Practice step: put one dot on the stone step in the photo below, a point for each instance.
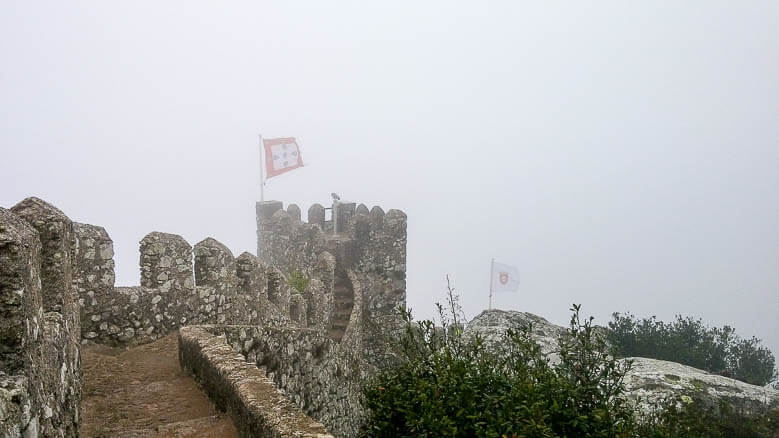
(343, 315)
(344, 304)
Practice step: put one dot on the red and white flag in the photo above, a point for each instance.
(281, 155)
(504, 277)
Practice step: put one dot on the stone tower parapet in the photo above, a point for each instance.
(354, 298)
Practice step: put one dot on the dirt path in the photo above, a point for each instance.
(142, 392)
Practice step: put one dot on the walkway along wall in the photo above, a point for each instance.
(311, 312)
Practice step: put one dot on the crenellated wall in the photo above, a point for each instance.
(40, 370)
(316, 305)
(356, 271)
(216, 289)
(318, 374)
(354, 297)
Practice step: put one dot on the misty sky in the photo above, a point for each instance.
(624, 156)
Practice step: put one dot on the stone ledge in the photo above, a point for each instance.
(257, 407)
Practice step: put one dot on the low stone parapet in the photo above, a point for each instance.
(257, 407)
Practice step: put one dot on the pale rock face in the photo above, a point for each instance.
(491, 325)
(652, 380)
(649, 381)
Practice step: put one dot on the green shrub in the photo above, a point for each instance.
(444, 384)
(690, 342)
(688, 417)
(448, 386)
(298, 281)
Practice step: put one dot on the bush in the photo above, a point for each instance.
(448, 386)
(692, 418)
(298, 281)
(690, 342)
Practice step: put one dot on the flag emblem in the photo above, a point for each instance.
(281, 155)
(504, 277)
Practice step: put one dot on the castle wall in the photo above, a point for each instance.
(316, 373)
(357, 281)
(40, 386)
(93, 274)
(180, 285)
(257, 407)
(370, 268)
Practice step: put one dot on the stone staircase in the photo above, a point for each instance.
(342, 309)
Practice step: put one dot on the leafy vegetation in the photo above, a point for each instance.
(298, 281)
(448, 386)
(692, 418)
(445, 384)
(690, 342)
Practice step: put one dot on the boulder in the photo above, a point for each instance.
(649, 380)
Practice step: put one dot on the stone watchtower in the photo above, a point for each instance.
(354, 266)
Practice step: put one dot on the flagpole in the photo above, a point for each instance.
(262, 175)
(492, 268)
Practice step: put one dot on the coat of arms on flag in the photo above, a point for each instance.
(504, 277)
(281, 155)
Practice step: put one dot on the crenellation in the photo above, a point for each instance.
(377, 217)
(93, 273)
(306, 278)
(344, 211)
(166, 262)
(294, 212)
(361, 209)
(40, 325)
(252, 280)
(316, 215)
(20, 291)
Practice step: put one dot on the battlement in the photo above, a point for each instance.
(359, 293)
(319, 299)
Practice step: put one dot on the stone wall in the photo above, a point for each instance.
(316, 373)
(315, 339)
(357, 275)
(257, 407)
(93, 274)
(40, 378)
(174, 291)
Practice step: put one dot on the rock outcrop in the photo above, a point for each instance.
(649, 380)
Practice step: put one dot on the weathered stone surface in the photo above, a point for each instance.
(20, 291)
(215, 268)
(362, 209)
(56, 235)
(21, 321)
(491, 325)
(298, 312)
(648, 382)
(257, 407)
(652, 380)
(59, 382)
(294, 212)
(166, 263)
(320, 375)
(316, 215)
(40, 379)
(93, 274)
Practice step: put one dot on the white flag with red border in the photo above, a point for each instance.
(504, 277)
(281, 155)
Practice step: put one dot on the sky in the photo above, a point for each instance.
(622, 155)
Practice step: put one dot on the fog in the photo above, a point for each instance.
(623, 156)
